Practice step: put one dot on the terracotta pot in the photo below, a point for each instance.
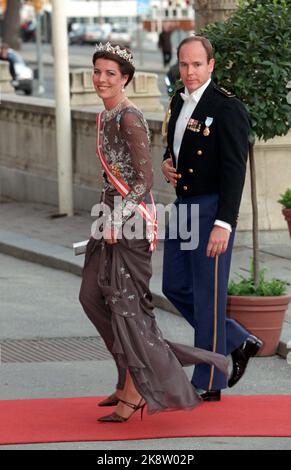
(287, 214)
(261, 316)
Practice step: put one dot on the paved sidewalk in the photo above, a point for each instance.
(30, 231)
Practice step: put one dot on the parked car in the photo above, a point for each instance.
(85, 34)
(76, 31)
(22, 74)
(120, 35)
(28, 30)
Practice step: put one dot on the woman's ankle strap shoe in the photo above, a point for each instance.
(116, 418)
(112, 400)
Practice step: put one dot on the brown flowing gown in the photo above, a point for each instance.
(115, 291)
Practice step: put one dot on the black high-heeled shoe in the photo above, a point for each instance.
(112, 400)
(116, 418)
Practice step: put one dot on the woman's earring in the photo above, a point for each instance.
(122, 89)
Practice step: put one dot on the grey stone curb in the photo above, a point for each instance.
(57, 257)
(39, 252)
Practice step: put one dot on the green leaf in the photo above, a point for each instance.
(253, 57)
(246, 285)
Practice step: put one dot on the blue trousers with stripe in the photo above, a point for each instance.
(197, 286)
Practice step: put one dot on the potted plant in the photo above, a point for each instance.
(285, 200)
(250, 64)
(261, 309)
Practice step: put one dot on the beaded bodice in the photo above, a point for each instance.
(125, 144)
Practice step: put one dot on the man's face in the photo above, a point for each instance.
(194, 67)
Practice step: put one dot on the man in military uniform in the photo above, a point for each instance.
(205, 160)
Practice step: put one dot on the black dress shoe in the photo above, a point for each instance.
(241, 356)
(211, 395)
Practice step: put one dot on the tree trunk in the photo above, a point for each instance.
(211, 11)
(11, 25)
(255, 215)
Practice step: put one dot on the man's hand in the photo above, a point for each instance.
(110, 235)
(170, 172)
(218, 241)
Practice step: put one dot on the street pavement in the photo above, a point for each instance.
(81, 56)
(40, 280)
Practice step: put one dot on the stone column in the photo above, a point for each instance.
(211, 11)
(5, 78)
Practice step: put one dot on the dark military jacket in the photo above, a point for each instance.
(212, 160)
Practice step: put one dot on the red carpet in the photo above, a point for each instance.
(74, 419)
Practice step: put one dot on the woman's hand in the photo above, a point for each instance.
(110, 235)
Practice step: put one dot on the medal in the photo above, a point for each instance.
(194, 125)
(115, 170)
(208, 122)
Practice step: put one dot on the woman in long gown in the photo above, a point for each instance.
(115, 291)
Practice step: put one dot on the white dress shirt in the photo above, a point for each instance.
(190, 103)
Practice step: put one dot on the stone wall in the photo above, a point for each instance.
(5, 78)
(28, 162)
(143, 90)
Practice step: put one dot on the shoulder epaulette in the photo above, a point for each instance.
(166, 118)
(224, 92)
(176, 88)
(179, 88)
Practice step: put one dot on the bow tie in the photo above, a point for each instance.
(187, 98)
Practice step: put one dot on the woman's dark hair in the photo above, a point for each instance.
(125, 67)
(205, 43)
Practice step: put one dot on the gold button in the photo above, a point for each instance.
(190, 170)
(199, 152)
(185, 188)
(179, 175)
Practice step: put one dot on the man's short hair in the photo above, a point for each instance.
(205, 43)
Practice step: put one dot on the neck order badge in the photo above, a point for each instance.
(208, 122)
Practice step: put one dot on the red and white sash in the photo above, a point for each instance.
(124, 189)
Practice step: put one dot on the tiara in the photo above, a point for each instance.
(115, 50)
